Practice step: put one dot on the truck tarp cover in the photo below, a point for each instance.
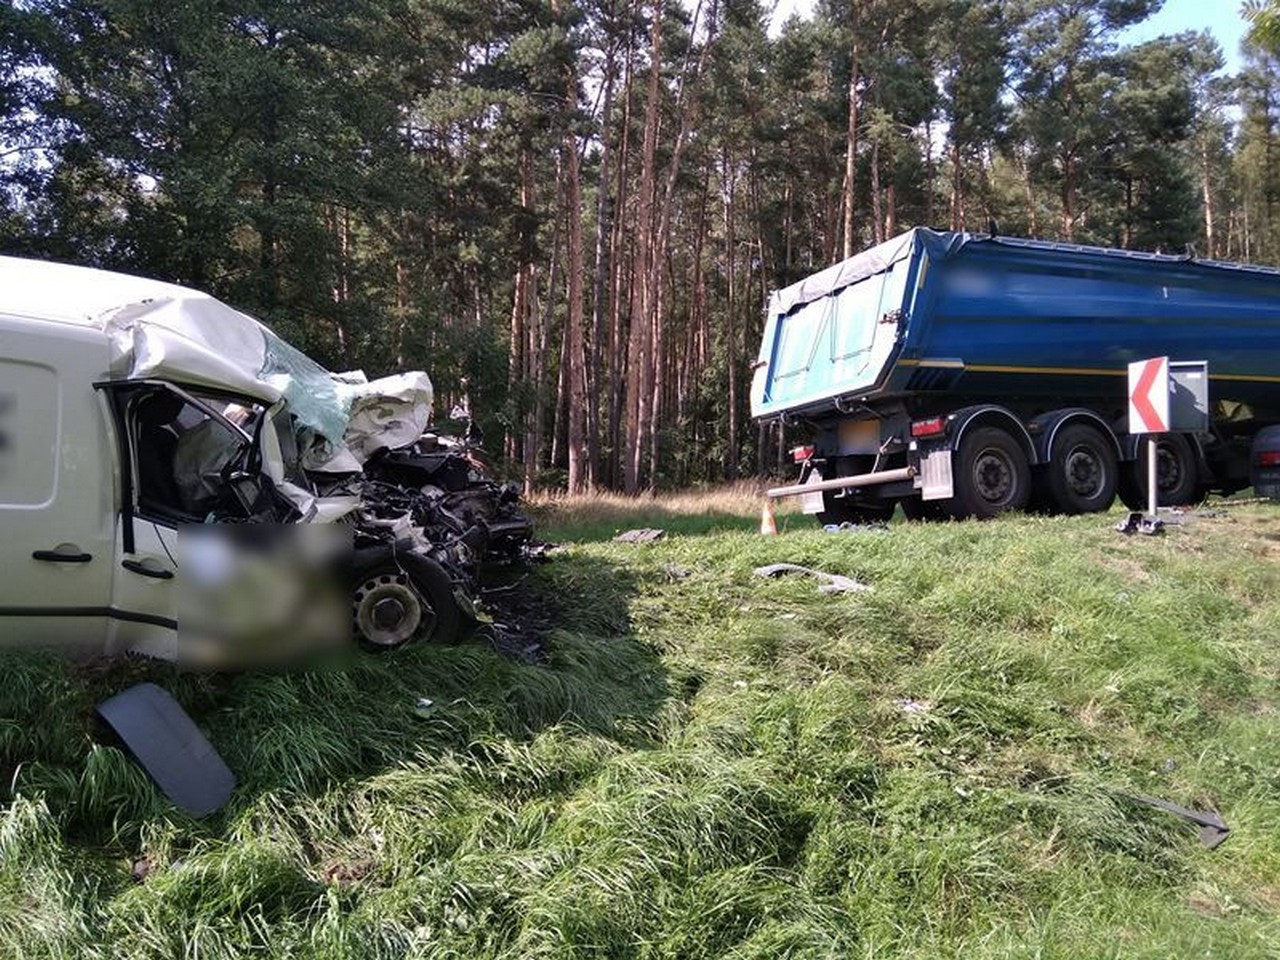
(843, 274)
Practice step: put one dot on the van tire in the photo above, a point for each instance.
(990, 475)
(405, 600)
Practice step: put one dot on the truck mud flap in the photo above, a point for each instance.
(936, 482)
(169, 746)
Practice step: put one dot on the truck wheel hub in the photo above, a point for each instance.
(1084, 472)
(992, 476)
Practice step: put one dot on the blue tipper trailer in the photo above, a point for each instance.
(968, 374)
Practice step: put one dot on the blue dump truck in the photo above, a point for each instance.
(965, 375)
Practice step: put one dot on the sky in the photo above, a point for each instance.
(1221, 17)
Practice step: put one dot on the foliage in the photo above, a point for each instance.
(570, 212)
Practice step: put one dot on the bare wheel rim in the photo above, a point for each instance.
(993, 476)
(1085, 473)
(388, 610)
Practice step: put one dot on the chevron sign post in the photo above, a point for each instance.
(1149, 412)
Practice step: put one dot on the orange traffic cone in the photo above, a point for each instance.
(768, 526)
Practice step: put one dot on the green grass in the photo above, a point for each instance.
(710, 764)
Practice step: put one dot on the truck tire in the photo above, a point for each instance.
(409, 600)
(990, 474)
(1176, 474)
(924, 511)
(838, 510)
(1082, 473)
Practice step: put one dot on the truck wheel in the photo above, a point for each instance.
(1176, 474)
(1082, 472)
(913, 508)
(991, 475)
(412, 601)
(837, 510)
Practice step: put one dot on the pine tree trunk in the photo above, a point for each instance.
(877, 221)
(519, 315)
(1031, 197)
(957, 189)
(1126, 241)
(731, 309)
(1206, 190)
(640, 360)
(890, 210)
(575, 376)
(620, 264)
(929, 179)
(1069, 197)
(539, 337)
(851, 154)
(601, 288)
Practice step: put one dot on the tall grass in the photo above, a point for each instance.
(708, 764)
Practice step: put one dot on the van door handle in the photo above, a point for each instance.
(62, 555)
(134, 566)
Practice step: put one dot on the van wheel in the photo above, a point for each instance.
(1176, 474)
(1082, 474)
(991, 475)
(412, 601)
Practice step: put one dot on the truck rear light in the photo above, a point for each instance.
(929, 428)
(1269, 458)
(801, 454)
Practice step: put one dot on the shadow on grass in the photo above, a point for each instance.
(302, 732)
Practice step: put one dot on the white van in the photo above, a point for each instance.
(131, 410)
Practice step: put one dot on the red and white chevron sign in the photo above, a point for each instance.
(1149, 395)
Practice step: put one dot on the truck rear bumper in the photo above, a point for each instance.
(842, 483)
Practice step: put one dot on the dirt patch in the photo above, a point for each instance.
(1205, 905)
(342, 873)
(1127, 567)
(1266, 898)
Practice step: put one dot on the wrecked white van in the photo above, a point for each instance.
(158, 446)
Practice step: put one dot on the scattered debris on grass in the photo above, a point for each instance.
(847, 527)
(909, 705)
(170, 747)
(833, 582)
(1140, 523)
(642, 535)
(519, 619)
(1212, 830)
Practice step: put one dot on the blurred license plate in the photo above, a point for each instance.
(812, 502)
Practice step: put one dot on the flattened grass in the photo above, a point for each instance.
(710, 764)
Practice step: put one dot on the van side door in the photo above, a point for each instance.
(56, 487)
